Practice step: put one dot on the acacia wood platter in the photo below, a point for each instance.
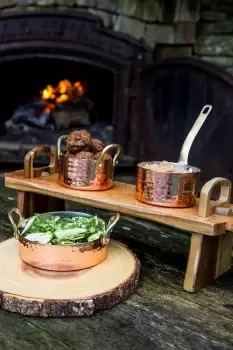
(122, 198)
(34, 292)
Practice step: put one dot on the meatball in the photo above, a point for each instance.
(79, 140)
(96, 145)
(85, 155)
(97, 155)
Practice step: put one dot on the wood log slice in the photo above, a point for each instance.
(35, 292)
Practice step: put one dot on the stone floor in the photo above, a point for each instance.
(160, 315)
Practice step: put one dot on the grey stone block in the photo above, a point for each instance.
(108, 5)
(141, 9)
(183, 33)
(189, 10)
(66, 3)
(179, 11)
(130, 26)
(167, 11)
(159, 34)
(150, 10)
(130, 8)
(213, 16)
(220, 27)
(220, 45)
(86, 3)
(166, 51)
(45, 3)
(106, 18)
(7, 3)
(218, 5)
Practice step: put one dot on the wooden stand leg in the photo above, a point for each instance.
(209, 257)
(30, 203)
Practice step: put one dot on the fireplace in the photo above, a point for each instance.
(43, 50)
(50, 97)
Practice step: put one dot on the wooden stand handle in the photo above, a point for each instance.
(222, 205)
(31, 172)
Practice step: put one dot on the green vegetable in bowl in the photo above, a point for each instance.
(63, 230)
(40, 237)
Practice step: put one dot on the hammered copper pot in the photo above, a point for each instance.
(176, 190)
(87, 174)
(62, 257)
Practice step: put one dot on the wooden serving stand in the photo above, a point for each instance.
(211, 222)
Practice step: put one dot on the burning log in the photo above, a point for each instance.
(69, 107)
(72, 114)
(61, 107)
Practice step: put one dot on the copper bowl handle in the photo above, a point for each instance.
(111, 223)
(14, 224)
(59, 142)
(108, 148)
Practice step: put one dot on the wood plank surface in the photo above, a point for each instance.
(122, 198)
(17, 333)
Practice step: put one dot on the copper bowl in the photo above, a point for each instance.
(62, 257)
(87, 174)
(165, 189)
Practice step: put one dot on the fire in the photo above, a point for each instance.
(64, 91)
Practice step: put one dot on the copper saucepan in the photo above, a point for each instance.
(87, 174)
(172, 189)
(62, 257)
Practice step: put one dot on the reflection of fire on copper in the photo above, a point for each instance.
(65, 91)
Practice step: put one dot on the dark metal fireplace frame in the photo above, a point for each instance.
(80, 37)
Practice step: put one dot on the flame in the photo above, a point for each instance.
(64, 91)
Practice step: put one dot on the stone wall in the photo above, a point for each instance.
(214, 40)
(159, 22)
(203, 28)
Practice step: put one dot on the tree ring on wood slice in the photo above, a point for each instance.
(34, 292)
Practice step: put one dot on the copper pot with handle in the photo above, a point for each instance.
(61, 257)
(177, 189)
(87, 174)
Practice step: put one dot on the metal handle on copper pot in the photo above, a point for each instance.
(111, 223)
(59, 142)
(184, 153)
(108, 148)
(14, 224)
